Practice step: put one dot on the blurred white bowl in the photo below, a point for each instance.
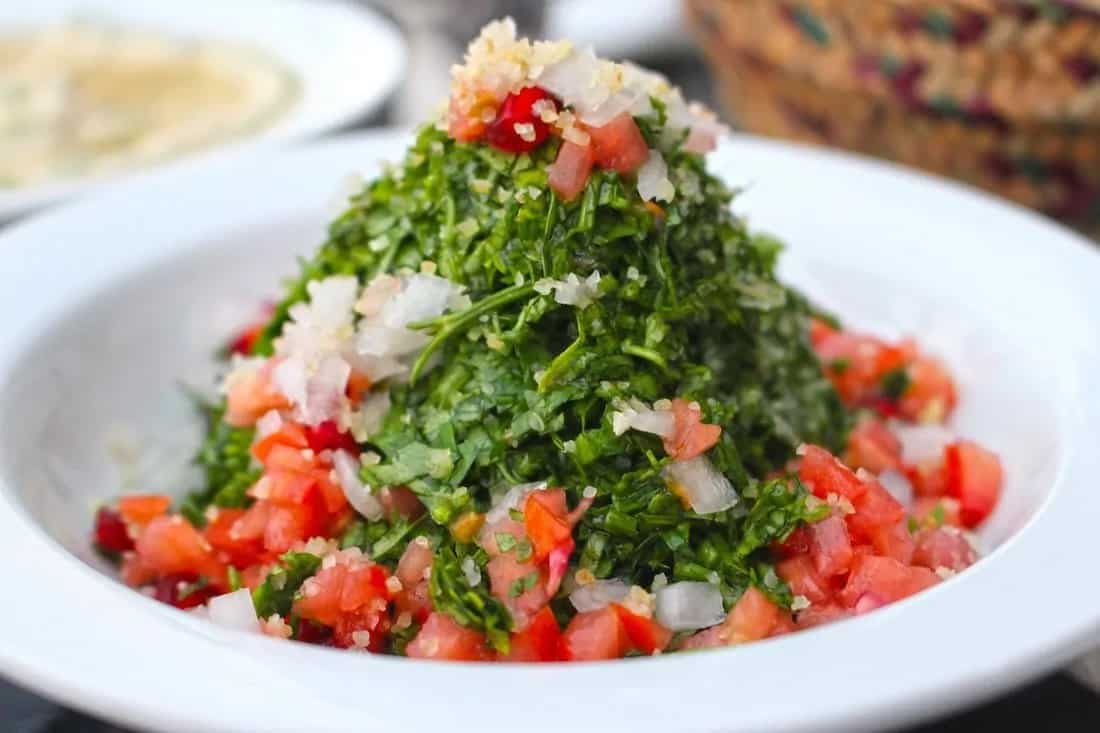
(347, 60)
(1007, 298)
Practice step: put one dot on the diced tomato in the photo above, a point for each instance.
(974, 477)
(752, 618)
(544, 521)
(557, 563)
(595, 635)
(931, 395)
(802, 577)
(110, 531)
(830, 547)
(872, 446)
(244, 341)
(285, 487)
(710, 638)
(797, 543)
(311, 633)
(785, 625)
(856, 363)
(690, 435)
(143, 509)
(170, 545)
(414, 598)
(238, 551)
(373, 621)
(289, 434)
(645, 634)
(875, 509)
(504, 572)
(343, 589)
(518, 109)
(885, 578)
(251, 524)
(253, 575)
(823, 474)
(469, 124)
(253, 396)
(569, 172)
(932, 511)
(134, 571)
(183, 590)
(415, 561)
(285, 458)
(331, 493)
(328, 436)
(928, 478)
(943, 548)
(289, 524)
(399, 501)
(817, 615)
(359, 385)
(441, 637)
(507, 526)
(894, 541)
(820, 331)
(619, 145)
(540, 641)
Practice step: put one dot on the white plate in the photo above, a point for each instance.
(101, 335)
(346, 58)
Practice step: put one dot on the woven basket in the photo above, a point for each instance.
(1000, 94)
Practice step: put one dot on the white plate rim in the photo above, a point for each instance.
(316, 113)
(838, 692)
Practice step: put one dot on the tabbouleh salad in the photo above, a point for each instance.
(540, 397)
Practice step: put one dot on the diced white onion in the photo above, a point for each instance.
(511, 500)
(289, 377)
(898, 485)
(326, 390)
(471, 571)
(234, 610)
(653, 180)
(596, 595)
(358, 494)
(689, 605)
(269, 423)
(706, 489)
(922, 442)
(423, 297)
(637, 415)
(376, 293)
(572, 290)
(379, 340)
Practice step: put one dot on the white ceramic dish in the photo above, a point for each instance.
(346, 59)
(100, 337)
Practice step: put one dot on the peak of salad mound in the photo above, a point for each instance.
(539, 374)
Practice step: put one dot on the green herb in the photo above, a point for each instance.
(895, 382)
(470, 606)
(226, 461)
(937, 515)
(505, 541)
(235, 582)
(276, 593)
(522, 585)
(190, 589)
(839, 365)
(689, 306)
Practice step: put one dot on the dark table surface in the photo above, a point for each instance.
(1055, 703)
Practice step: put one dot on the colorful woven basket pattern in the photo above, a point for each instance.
(1005, 95)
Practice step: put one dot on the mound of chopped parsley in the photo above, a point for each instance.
(522, 387)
